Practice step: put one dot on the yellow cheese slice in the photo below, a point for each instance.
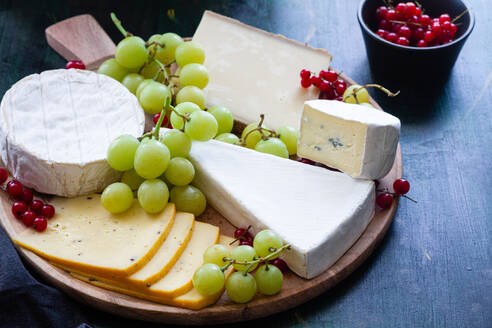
(86, 237)
(161, 263)
(191, 300)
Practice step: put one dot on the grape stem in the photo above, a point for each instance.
(370, 85)
(250, 264)
(261, 130)
(385, 190)
(167, 104)
(119, 26)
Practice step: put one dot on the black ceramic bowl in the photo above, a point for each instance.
(402, 62)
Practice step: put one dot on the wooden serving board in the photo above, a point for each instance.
(295, 290)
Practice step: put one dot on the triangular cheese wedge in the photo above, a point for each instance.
(86, 237)
(190, 300)
(320, 213)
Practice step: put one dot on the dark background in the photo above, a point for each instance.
(433, 269)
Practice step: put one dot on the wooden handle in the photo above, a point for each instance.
(81, 38)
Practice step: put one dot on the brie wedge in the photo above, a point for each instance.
(254, 72)
(320, 213)
(358, 140)
(55, 129)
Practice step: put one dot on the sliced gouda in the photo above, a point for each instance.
(190, 300)
(86, 237)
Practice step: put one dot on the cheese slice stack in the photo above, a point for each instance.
(55, 129)
(319, 212)
(358, 140)
(254, 72)
(86, 237)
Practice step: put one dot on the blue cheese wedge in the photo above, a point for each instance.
(357, 140)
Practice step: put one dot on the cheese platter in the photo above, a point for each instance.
(143, 258)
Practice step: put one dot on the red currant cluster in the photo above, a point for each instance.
(246, 238)
(165, 121)
(400, 188)
(75, 64)
(328, 82)
(38, 213)
(406, 25)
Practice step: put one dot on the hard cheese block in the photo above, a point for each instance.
(55, 129)
(190, 300)
(254, 72)
(84, 236)
(319, 212)
(357, 140)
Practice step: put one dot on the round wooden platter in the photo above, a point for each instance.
(294, 292)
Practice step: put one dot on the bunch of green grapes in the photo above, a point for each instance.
(242, 285)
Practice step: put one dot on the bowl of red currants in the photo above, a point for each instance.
(405, 39)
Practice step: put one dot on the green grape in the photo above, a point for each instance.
(182, 108)
(288, 135)
(132, 81)
(189, 52)
(170, 41)
(131, 52)
(244, 253)
(153, 195)
(179, 144)
(215, 254)
(153, 96)
(132, 179)
(202, 126)
(117, 197)
(273, 146)
(269, 279)
(141, 86)
(192, 94)
(362, 95)
(208, 279)
(151, 159)
(150, 70)
(180, 171)
(264, 240)
(224, 118)
(194, 74)
(121, 152)
(188, 199)
(241, 288)
(367, 105)
(228, 137)
(111, 68)
(253, 137)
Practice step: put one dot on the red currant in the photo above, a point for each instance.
(444, 18)
(28, 218)
(418, 11)
(339, 98)
(40, 223)
(325, 86)
(401, 8)
(381, 12)
(418, 33)
(405, 32)
(382, 33)
(75, 64)
(421, 44)
(330, 76)
(402, 41)
(37, 206)
(242, 233)
(392, 37)
(429, 36)
(18, 208)
(280, 264)
(3, 175)
(14, 188)
(156, 118)
(385, 25)
(384, 200)
(305, 74)
(411, 9)
(26, 196)
(48, 211)
(306, 83)
(391, 15)
(401, 186)
(247, 242)
(396, 28)
(340, 87)
(436, 29)
(452, 30)
(316, 80)
(425, 20)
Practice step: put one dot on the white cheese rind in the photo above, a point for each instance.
(56, 126)
(382, 132)
(319, 212)
(254, 72)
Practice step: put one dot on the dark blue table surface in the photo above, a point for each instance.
(434, 267)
